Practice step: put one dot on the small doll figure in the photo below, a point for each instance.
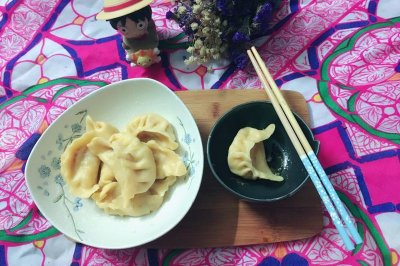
(132, 19)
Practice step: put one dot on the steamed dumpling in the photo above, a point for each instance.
(106, 175)
(161, 186)
(130, 160)
(102, 129)
(168, 163)
(109, 196)
(126, 173)
(246, 155)
(144, 203)
(153, 127)
(110, 199)
(79, 166)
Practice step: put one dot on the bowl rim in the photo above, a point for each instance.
(179, 217)
(241, 196)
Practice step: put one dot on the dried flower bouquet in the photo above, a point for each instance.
(222, 28)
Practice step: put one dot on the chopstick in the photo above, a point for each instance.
(306, 153)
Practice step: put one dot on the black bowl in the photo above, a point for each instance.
(281, 155)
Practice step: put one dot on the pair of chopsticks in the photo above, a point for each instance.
(307, 155)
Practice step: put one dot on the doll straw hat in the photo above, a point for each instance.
(118, 8)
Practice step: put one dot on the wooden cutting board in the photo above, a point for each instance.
(218, 218)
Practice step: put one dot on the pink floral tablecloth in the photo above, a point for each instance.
(342, 55)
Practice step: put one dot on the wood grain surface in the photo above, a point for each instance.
(218, 218)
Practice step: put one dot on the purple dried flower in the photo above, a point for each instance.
(185, 21)
(222, 6)
(188, 8)
(170, 15)
(241, 61)
(240, 37)
(264, 13)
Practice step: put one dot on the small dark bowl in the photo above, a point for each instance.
(280, 153)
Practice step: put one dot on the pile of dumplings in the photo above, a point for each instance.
(246, 154)
(126, 173)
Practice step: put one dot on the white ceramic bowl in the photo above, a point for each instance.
(81, 219)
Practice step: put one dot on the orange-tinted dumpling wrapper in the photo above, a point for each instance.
(79, 166)
(153, 127)
(246, 154)
(131, 161)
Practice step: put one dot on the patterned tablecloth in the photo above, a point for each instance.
(342, 55)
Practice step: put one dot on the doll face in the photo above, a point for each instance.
(133, 29)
